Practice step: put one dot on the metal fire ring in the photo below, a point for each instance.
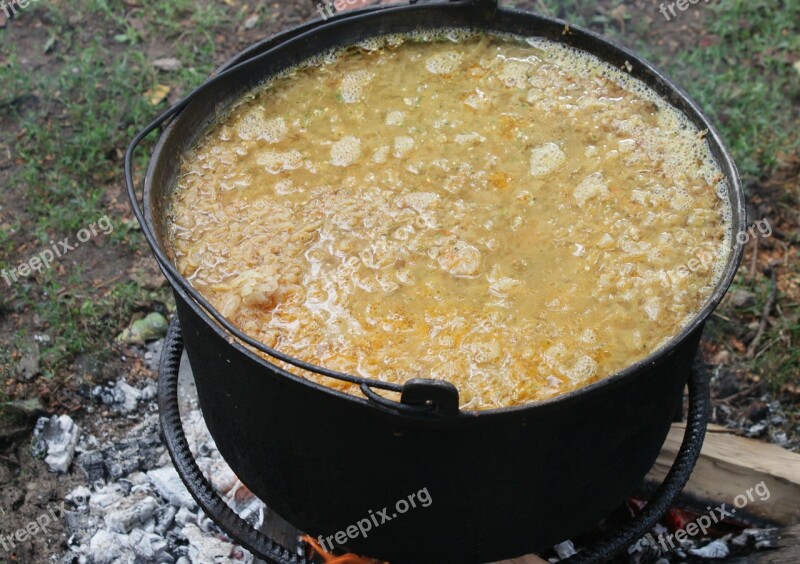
(270, 551)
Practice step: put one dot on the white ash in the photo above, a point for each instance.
(134, 507)
(770, 422)
(123, 397)
(565, 549)
(170, 487)
(714, 550)
(757, 539)
(651, 550)
(55, 439)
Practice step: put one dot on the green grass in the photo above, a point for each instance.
(775, 360)
(746, 79)
(102, 97)
(6, 371)
(71, 127)
(78, 320)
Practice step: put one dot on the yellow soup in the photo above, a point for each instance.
(511, 215)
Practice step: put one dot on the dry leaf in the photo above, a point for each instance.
(797, 66)
(737, 344)
(167, 64)
(156, 94)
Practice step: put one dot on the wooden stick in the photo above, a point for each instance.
(762, 326)
(754, 262)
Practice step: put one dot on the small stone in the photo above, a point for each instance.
(741, 298)
(18, 417)
(148, 393)
(90, 365)
(131, 396)
(168, 64)
(153, 355)
(251, 22)
(28, 366)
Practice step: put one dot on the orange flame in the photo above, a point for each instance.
(329, 558)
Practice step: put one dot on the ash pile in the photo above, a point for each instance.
(133, 506)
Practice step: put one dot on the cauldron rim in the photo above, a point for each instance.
(646, 72)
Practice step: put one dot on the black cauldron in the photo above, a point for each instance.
(501, 482)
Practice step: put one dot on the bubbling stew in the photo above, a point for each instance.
(508, 214)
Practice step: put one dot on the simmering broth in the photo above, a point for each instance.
(511, 215)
